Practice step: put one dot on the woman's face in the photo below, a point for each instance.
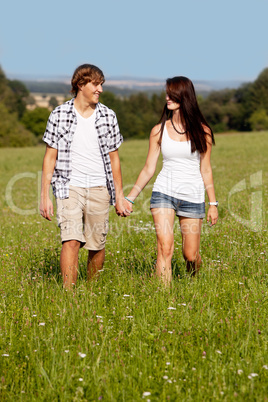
(171, 105)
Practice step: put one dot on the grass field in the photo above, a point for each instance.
(126, 337)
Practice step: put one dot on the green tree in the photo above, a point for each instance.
(259, 120)
(53, 103)
(13, 94)
(30, 100)
(157, 104)
(214, 115)
(20, 93)
(35, 121)
(13, 133)
(259, 92)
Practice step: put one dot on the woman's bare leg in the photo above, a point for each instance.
(191, 231)
(164, 221)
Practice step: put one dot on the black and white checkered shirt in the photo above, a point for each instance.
(59, 134)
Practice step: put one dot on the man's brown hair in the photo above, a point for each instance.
(84, 74)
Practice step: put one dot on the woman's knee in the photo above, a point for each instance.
(191, 255)
(166, 249)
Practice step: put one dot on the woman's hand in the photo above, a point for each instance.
(123, 207)
(129, 206)
(212, 215)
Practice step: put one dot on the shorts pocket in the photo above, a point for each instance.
(61, 218)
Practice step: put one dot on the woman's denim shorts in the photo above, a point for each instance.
(182, 208)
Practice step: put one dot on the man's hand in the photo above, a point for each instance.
(46, 206)
(46, 209)
(122, 207)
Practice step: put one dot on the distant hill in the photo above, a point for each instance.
(123, 86)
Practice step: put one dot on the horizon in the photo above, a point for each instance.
(130, 81)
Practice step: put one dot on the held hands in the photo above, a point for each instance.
(123, 207)
(212, 215)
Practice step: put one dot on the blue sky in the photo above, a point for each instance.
(204, 40)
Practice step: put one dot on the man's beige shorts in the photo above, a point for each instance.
(84, 216)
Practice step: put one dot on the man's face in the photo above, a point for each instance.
(91, 92)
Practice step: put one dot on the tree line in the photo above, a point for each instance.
(242, 109)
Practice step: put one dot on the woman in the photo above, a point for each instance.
(185, 139)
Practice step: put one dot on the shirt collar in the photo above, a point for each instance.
(70, 108)
(100, 109)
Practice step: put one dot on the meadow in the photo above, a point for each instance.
(125, 336)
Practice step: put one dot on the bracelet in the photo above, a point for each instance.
(216, 203)
(132, 202)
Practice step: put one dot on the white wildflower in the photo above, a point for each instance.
(146, 394)
(82, 355)
(42, 324)
(171, 308)
(239, 372)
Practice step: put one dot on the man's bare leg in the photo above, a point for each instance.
(69, 262)
(95, 262)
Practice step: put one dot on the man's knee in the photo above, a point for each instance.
(71, 245)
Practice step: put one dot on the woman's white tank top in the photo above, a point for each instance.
(180, 176)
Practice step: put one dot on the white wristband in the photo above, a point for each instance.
(216, 203)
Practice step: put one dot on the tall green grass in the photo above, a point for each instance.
(126, 337)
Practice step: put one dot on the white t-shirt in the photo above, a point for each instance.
(87, 163)
(180, 176)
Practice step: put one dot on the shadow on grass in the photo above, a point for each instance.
(146, 266)
(48, 263)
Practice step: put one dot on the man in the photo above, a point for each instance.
(82, 163)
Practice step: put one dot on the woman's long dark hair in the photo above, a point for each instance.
(181, 90)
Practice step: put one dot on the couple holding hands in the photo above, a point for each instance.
(82, 164)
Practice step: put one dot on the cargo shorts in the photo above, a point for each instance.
(84, 216)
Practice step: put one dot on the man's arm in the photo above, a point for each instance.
(46, 205)
(120, 206)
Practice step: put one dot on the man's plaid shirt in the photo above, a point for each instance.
(59, 134)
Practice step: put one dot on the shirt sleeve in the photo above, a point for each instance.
(50, 135)
(116, 138)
